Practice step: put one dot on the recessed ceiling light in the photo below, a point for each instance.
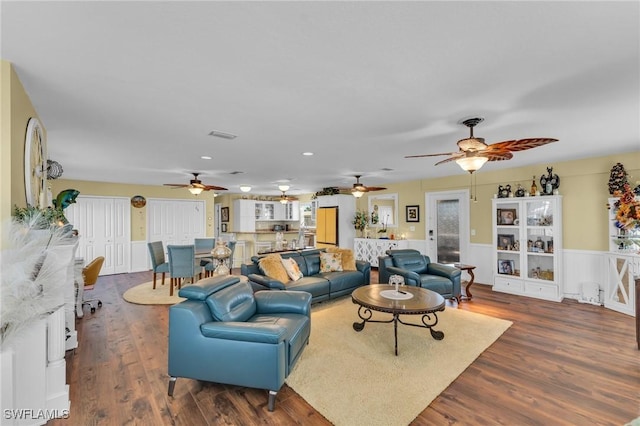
(206, 157)
(245, 188)
(308, 154)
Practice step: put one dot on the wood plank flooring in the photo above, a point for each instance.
(559, 364)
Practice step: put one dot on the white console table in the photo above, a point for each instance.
(368, 249)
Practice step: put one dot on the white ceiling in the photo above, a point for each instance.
(129, 91)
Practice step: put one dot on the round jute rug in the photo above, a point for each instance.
(144, 294)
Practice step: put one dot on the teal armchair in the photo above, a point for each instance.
(418, 270)
(225, 333)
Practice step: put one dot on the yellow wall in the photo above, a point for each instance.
(583, 185)
(15, 111)
(138, 215)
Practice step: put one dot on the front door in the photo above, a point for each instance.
(447, 226)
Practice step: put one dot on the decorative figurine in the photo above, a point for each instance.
(550, 182)
(504, 191)
(520, 191)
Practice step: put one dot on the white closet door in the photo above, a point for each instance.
(104, 225)
(175, 221)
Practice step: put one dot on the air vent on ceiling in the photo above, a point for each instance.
(223, 135)
(235, 173)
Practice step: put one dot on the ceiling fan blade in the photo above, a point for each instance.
(213, 187)
(447, 160)
(429, 155)
(496, 156)
(521, 144)
(375, 188)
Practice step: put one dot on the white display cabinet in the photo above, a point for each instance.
(623, 266)
(527, 241)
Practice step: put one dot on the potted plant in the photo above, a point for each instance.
(360, 220)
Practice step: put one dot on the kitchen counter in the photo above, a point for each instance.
(266, 231)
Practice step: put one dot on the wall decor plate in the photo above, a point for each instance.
(138, 201)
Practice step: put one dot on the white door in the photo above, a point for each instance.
(104, 225)
(447, 226)
(175, 221)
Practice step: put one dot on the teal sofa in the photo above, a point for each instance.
(321, 285)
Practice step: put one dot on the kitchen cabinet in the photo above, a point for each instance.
(244, 215)
(291, 211)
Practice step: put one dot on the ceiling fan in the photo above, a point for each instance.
(359, 188)
(284, 198)
(195, 185)
(474, 152)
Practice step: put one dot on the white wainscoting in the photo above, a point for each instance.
(582, 267)
(140, 257)
(579, 266)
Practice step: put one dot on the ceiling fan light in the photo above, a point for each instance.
(245, 188)
(471, 164)
(195, 190)
(357, 193)
(283, 200)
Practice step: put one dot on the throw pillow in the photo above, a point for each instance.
(292, 268)
(348, 260)
(330, 262)
(271, 266)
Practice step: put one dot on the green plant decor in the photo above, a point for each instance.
(360, 220)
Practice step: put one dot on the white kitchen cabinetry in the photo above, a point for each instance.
(244, 219)
(265, 210)
(527, 241)
(291, 210)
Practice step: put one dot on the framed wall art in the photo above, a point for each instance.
(413, 213)
(224, 214)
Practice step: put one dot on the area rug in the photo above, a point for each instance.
(354, 378)
(144, 294)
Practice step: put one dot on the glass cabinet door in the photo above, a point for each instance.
(539, 229)
(508, 239)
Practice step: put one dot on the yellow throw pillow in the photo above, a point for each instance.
(292, 268)
(348, 259)
(271, 266)
(330, 262)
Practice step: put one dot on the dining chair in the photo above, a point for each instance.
(182, 265)
(158, 262)
(205, 245)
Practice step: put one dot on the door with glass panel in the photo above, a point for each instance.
(447, 226)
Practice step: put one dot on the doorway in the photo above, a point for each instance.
(448, 226)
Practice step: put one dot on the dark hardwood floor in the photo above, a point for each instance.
(559, 364)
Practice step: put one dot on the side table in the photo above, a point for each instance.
(469, 269)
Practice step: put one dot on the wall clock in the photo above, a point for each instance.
(35, 165)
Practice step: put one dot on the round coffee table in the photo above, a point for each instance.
(412, 301)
